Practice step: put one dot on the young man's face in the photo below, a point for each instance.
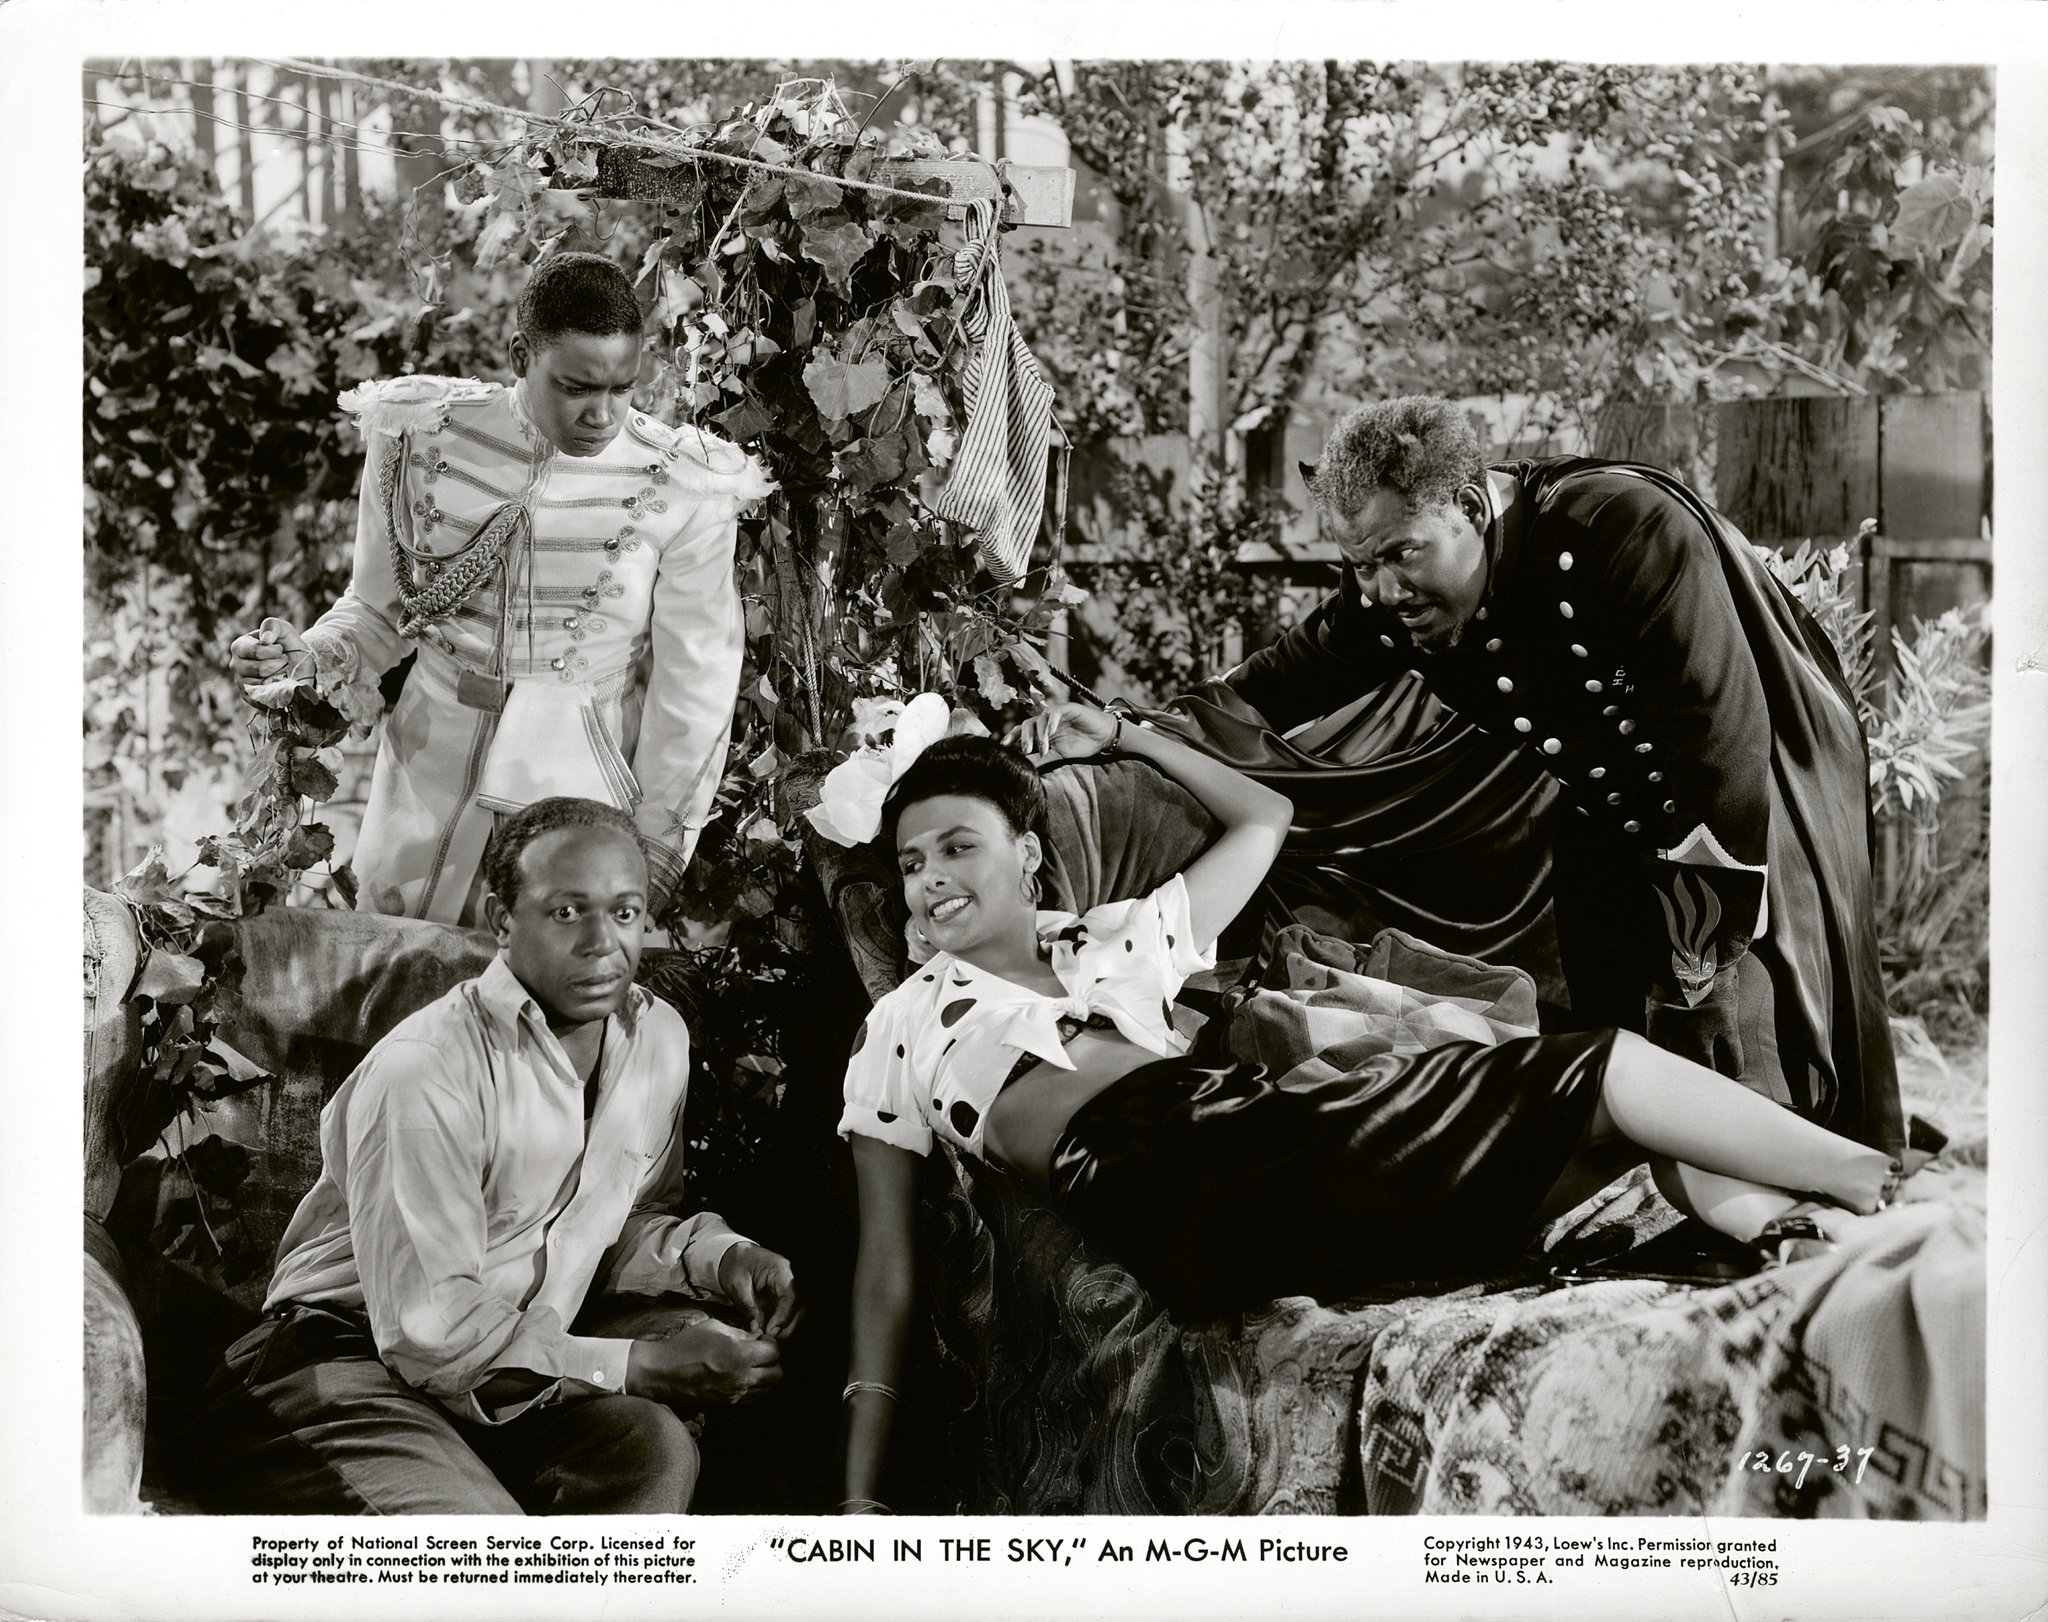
(580, 387)
(1426, 565)
(573, 936)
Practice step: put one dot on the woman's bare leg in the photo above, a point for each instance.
(1681, 1110)
(1733, 1205)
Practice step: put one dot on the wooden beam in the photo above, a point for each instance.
(1042, 195)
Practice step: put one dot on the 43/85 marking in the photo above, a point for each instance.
(1783, 1464)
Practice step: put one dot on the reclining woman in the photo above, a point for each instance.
(1044, 1043)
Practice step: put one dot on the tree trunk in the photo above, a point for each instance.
(201, 75)
(351, 174)
(245, 147)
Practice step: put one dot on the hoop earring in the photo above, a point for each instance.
(1031, 887)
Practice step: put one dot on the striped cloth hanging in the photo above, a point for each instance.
(996, 485)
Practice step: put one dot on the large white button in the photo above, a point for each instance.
(1386, 641)
(1564, 560)
(1565, 609)
(1551, 746)
(1614, 799)
(1522, 724)
(1656, 777)
(1505, 685)
(1493, 645)
(1644, 748)
(1480, 615)
(1594, 686)
(1631, 827)
(1612, 709)
(1578, 650)
(597, 1376)
(1597, 773)
(1670, 805)
(1627, 727)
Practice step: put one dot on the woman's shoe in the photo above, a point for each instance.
(1794, 1236)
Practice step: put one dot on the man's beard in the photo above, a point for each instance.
(1439, 641)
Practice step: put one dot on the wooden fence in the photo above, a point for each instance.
(1814, 469)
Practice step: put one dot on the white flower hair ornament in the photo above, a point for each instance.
(849, 808)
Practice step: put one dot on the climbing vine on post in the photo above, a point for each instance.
(805, 306)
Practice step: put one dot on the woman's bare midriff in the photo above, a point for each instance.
(1028, 1116)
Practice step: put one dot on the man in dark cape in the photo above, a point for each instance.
(1569, 688)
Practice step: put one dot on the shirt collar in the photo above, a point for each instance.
(505, 997)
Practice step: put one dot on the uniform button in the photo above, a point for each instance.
(1612, 709)
(1597, 773)
(1522, 723)
(558, 664)
(1614, 799)
(1493, 646)
(1578, 650)
(1480, 615)
(1551, 746)
(1386, 641)
(570, 623)
(1582, 811)
(1631, 827)
(1565, 609)
(1564, 560)
(1644, 748)
(1627, 727)
(1594, 686)
(1670, 805)
(1505, 685)
(597, 1375)
(1656, 777)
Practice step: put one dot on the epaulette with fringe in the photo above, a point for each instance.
(395, 405)
(703, 464)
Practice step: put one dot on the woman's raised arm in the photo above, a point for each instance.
(1255, 818)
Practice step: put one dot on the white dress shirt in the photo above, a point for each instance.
(463, 1205)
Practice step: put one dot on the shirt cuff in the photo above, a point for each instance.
(703, 1257)
(598, 1360)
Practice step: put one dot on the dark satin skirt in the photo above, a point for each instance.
(1221, 1191)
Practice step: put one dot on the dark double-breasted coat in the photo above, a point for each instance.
(1711, 770)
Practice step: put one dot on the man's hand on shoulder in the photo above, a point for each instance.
(703, 1362)
(764, 1284)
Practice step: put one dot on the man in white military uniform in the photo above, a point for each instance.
(563, 566)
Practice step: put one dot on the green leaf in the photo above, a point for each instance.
(810, 196)
(839, 390)
(310, 844)
(748, 420)
(311, 778)
(835, 247)
(171, 978)
(903, 543)
(344, 880)
(1932, 215)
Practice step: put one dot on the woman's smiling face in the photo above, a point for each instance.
(964, 874)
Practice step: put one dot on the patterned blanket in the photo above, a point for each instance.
(1849, 1385)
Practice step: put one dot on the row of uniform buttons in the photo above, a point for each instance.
(1594, 686)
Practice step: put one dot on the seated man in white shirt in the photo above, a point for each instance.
(499, 1156)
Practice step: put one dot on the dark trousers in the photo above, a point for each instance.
(303, 1418)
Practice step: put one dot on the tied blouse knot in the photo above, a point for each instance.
(933, 1054)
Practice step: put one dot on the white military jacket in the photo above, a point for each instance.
(576, 618)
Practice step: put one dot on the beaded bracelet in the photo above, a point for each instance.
(852, 1386)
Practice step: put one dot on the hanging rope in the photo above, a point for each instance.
(678, 147)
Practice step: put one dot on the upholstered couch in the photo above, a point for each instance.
(1050, 1382)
